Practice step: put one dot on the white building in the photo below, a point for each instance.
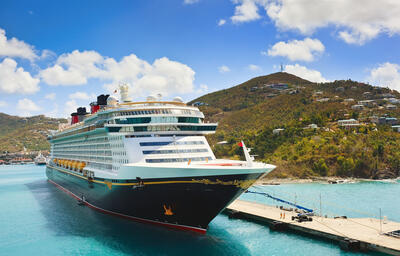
(278, 131)
(348, 123)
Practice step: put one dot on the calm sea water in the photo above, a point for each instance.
(38, 219)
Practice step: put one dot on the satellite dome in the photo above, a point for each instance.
(178, 99)
(112, 101)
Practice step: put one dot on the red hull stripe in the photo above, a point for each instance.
(181, 227)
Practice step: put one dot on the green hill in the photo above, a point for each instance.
(251, 110)
(30, 132)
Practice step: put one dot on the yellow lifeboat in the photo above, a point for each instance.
(74, 164)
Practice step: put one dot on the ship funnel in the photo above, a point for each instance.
(124, 91)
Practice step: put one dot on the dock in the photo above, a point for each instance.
(366, 233)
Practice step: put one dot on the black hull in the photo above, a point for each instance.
(186, 203)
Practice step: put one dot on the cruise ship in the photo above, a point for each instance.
(147, 161)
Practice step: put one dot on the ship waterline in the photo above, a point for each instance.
(147, 161)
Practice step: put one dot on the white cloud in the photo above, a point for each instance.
(305, 73)
(47, 54)
(203, 88)
(223, 69)
(16, 80)
(386, 75)
(190, 1)
(356, 21)
(79, 96)
(297, 50)
(162, 76)
(221, 22)
(3, 103)
(247, 10)
(27, 106)
(70, 107)
(263, 53)
(50, 96)
(253, 67)
(15, 48)
(73, 68)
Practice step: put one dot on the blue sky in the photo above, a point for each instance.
(57, 55)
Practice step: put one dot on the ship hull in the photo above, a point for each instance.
(189, 203)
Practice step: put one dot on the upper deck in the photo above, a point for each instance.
(142, 118)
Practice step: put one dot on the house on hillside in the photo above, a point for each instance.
(278, 86)
(357, 107)
(323, 100)
(386, 95)
(348, 100)
(396, 128)
(348, 123)
(367, 94)
(392, 100)
(367, 103)
(199, 103)
(339, 89)
(278, 130)
(383, 120)
(311, 126)
(390, 107)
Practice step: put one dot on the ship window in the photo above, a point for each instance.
(169, 160)
(164, 143)
(176, 151)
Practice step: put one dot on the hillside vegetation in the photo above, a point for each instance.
(252, 110)
(30, 132)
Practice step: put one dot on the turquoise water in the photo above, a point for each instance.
(38, 219)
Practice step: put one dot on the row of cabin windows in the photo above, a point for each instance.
(83, 146)
(174, 151)
(89, 140)
(165, 143)
(83, 152)
(156, 119)
(172, 160)
(162, 128)
(121, 161)
(100, 166)
(156, 112)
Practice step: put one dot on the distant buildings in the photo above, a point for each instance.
(348, 100)
(348, 123)
(339, 89)
(323, 100)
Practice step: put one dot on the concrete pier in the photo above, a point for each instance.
(365, 230)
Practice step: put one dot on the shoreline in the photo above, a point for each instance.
(322, 180)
